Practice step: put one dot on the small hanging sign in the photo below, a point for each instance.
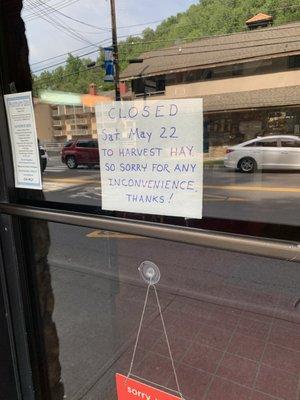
(109, 64)
(130, 389)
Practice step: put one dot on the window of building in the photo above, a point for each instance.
(207, 74)
(294, 61)
(237, 69)
(160, 84)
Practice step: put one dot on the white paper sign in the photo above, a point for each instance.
(23, 137)
(151, 156)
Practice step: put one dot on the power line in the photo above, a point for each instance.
(57, 23)
(141, 24)
(213, 51)
(61, 5)
(189, 46)
(105, 29)
(141, 42)
(69, 52)
(32, 14)
(54, 10)
(69, 2)
(170, 55)
(42, 3)
(30, 7)
(60, 63)
(66, 3)
(39, 82)
(223, 45)
(36, 15)
(104, 41)
(165, 41)
(73, 32)
(192, 39)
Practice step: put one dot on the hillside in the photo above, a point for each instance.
(206, 18)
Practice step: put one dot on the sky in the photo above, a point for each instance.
(50, 39)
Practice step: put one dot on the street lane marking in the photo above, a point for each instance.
(222, 187)
(216, 197)
(236, 199)
(111, 235)
(255, 188)
(56, 186)
(71, 180)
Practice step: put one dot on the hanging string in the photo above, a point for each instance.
(139, 331)
(167, 340)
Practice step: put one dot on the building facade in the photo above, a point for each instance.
(71, 122)
(57, 123)
(249, 81)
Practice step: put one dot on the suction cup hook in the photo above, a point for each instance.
(149, 272)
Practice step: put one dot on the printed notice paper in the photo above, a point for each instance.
(23, 137)
(151, 156)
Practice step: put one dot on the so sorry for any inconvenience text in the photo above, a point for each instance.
(155, 160)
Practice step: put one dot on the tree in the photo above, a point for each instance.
(206, 18)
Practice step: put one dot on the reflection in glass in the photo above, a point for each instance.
(232, 319)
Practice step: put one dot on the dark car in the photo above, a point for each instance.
(80, 152)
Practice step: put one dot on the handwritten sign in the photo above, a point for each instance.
(151, 156)
(130, 389)
(24, 143)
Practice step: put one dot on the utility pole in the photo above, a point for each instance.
(115, 47)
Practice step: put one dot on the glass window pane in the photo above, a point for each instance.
(267, 143)
(69, 144)
(231, 319)
(290, 143)
(248, 94)
(82, 144)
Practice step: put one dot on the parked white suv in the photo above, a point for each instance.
(269, 152)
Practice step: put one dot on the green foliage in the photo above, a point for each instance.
(74, 76)
(206, 18)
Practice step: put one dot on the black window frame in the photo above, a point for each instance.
(297, 142)
(69, 144)
(253, 144)
(294, 61)
(267, 141)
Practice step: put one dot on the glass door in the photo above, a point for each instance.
(149, 213)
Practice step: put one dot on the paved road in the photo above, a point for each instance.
(99, 297)
(262, 197)
(98, 292)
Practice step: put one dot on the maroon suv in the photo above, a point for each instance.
(80, 152)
